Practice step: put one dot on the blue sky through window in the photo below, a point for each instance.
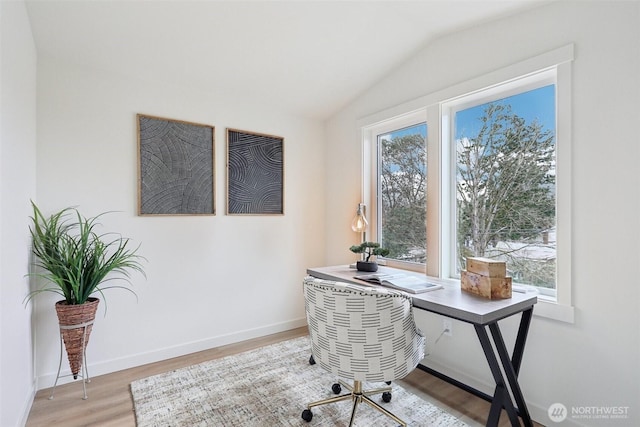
(535, 104)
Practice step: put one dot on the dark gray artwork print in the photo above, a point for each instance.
(255, 175)
(176, 167)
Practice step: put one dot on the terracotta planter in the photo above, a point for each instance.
(76, 339)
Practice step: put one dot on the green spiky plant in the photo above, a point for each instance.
(369, 249)
(76, 259)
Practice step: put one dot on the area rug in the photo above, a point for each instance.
(266, 387)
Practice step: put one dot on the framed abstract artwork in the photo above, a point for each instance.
(176, 167)
(255, 173)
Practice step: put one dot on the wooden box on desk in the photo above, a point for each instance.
(487, 267)
(485, 286)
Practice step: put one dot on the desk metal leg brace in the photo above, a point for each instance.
(497, 363)
(510, 366)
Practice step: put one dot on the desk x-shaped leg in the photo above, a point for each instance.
(511, 366)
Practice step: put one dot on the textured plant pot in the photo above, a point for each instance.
(76, 339)
(366, 266)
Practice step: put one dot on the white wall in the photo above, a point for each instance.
(210, 280)
(592, 362)
(86, 156)
(17, 186)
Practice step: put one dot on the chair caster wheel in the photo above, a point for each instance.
(386, 397)
(312, 361)
(307, 415)
(336, 388)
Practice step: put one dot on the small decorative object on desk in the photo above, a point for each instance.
(368, 249)
(487, 278)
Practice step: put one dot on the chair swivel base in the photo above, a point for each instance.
(357, 395)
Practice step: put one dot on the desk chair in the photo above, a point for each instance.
(361, 334)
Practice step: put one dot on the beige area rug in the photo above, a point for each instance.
(266, 387)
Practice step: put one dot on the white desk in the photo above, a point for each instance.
(483, 314)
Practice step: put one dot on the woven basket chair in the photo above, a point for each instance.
(361, 334)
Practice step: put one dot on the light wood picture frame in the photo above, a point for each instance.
(176, 167)
(255, 173)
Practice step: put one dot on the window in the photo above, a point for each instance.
(504, 154)
(401, 193)
(396, 187)
(490, 178)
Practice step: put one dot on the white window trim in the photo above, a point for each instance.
(559, 308)
(370, 144)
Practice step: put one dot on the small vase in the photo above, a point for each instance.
(368, 266)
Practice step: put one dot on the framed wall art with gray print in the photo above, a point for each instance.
(255, 173)
(176, 167)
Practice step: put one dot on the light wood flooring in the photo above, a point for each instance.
(110, 402)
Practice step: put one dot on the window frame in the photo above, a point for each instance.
(432, 109)
(372, 162)
(449, 109)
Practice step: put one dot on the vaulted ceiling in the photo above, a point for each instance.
(306, 57)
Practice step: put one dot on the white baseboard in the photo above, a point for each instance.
(114, 365)
(28, 403)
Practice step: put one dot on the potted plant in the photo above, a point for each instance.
(76, 262)
(368, 249)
